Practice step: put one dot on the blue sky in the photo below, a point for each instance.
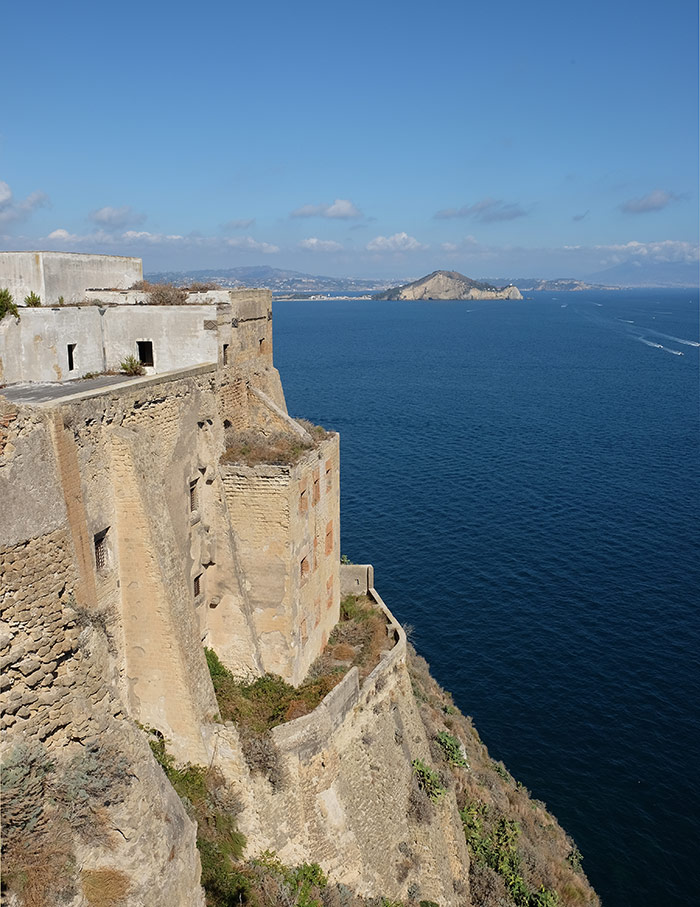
(367, 139)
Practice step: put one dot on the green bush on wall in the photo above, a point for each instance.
(7, 305)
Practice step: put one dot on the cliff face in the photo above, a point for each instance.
(449, 285)
(147, 521)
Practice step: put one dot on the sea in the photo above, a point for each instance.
(525, 478)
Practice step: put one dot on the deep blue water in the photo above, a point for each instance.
(525, 477)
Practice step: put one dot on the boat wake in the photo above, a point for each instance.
(660, 346)
(675, 339)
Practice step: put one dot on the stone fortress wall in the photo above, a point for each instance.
(126, 546)
(65, 342)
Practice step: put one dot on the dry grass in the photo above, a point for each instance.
(162, 293)
(253, 448)
(104, 887)
(280, 448)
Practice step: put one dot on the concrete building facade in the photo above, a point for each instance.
(52, 275)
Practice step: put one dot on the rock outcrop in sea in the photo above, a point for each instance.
(449, 285)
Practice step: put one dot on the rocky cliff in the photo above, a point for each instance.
(449, 285)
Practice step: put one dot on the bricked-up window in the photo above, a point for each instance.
(71, 356)
(197, 585)
(101, 549)
(316, 489)
(194, 496)
(303, 501)
(329, 537)
(329, 475)
(145, 349)
(304, 568)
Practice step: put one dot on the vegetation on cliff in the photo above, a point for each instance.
(256, 706)
(520, 855)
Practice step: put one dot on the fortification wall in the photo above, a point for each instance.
(54, 274)
(60, 689)
(285, 521)
(347, 780)
(61, 343)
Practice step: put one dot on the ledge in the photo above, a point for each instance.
(307, 736)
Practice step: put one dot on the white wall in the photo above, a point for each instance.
(35, 348)
(178, 333)
(68, 274)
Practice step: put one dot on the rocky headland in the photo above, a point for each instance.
(449, 285)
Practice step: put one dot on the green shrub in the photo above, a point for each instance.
(451, 748)
(132, 366)
(32, 301)
(7, 305)
(428, 780)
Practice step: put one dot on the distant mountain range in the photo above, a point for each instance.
(280, 281)
(297, 284)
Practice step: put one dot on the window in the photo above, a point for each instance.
(145, 350)
(101, 551)
(194, 496)
(305, 568)
(303, 501)
(224, 354)
(197, 585)
(71, 356)
(329, 475)
(316, 489)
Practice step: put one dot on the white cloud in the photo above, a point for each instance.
(252, 245)
(399, 242)
(62, 235)
(314, 244)
(652, 201)
(341, 209)
(661, 251)
(12, 210)
(111, 218)
(488, 210)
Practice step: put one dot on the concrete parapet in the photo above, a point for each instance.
(356, 579)
(308, 736)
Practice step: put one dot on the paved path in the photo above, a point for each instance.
(42, 393)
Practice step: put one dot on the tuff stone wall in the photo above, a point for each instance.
(286, 524)
(59, 682)
(347, 780)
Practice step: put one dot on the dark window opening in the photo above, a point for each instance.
(145, 349)
(198, 585)
(194, 496)
(71, 356)
(101, 552)
(224, 354)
